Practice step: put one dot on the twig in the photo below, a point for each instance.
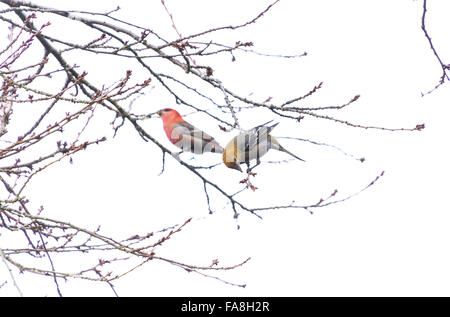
(443, 66)
(4, 259)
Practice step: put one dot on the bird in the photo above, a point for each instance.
(250, 145)
(185, 136)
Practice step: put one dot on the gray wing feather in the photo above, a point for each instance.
(253, 137)
(188, 129)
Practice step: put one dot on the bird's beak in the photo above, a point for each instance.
(158, 113)
(237, 167)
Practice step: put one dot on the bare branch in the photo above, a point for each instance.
(444, 67)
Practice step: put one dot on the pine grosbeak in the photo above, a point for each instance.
(185, 136)
(250, 145)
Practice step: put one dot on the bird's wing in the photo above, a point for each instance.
(188, 137)
(257, 135)
(187, 129)
(264, 124)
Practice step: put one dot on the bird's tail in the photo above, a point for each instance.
(291, 154)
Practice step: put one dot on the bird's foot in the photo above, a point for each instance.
(249, 169)
(250, 173)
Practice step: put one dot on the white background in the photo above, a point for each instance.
(390, 240)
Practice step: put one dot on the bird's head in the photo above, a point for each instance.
(169, 115)
(229, 158)
(166, 111)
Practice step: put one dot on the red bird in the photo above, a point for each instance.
(185, 136)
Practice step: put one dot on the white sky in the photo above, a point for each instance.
(391, 240)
